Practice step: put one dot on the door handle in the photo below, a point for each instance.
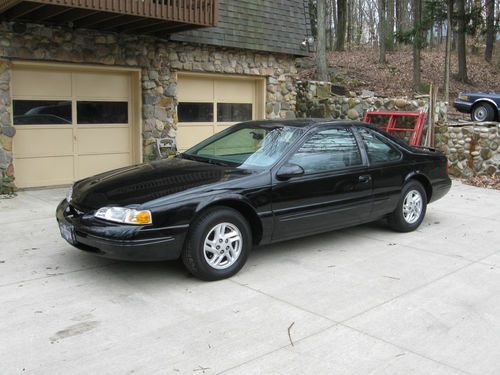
(365, 178)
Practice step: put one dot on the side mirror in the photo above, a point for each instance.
(289, 170)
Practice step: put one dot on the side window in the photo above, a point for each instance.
(328, 150)
(378, 151)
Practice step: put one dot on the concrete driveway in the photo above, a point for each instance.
(359, 301)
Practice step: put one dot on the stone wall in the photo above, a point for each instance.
(7, 131)
(472, 150)
(158, 59)
(315, 99)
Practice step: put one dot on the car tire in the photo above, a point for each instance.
(483, 112)
(218, 244)
(411, 208)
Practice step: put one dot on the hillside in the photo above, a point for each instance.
(359, 70)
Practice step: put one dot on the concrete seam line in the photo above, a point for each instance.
(59, 274)
(416, 288)
(403, 348)
(284, 301)
(278, 349)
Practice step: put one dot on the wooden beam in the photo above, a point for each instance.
(165, 26)
(74, 14)
(48, 11)
(96, 18)
(139, 24)
(22, 10)
(125, 20)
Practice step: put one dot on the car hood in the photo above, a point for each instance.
(142, 183)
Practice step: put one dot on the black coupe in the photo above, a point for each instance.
(253, 183)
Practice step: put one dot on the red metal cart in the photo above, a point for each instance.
(393, 126)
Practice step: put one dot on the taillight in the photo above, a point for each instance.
(447, 167)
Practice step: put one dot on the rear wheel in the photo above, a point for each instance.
(411, 208)
(218, 244)
(483, 112)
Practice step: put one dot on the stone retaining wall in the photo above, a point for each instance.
(158, 59)
(315, 99)
(472, 150)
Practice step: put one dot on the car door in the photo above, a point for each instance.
(333, 192)
(387, 169)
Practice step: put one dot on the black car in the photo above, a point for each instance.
(482, 106)
(254, 183)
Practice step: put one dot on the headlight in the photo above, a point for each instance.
(463, 97)
(69, 194)
(124, 215)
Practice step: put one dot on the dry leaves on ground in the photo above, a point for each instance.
(484, 182)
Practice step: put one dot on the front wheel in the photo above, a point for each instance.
(411, 208)
(218, 244)
(483, 112)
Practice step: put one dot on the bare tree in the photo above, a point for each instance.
(333, 15)
(447, 58)
(417, 42)
(341, 24)
(321, 69)
(461, 48)
(382, 35)
(490, 29)
(390, 25)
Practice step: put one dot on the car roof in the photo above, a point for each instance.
(305, 122)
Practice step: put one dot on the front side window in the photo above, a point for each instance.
(328, 150)
(378, 151)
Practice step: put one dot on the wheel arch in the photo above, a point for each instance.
(243, 207)
(426, 183)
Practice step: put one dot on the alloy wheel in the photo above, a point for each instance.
(222, 246)
(412, 206)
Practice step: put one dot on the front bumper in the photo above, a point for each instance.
(117, 241)
(462, 106)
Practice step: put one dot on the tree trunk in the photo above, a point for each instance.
(417, 43)
(360, 25)
(390, 25)
(382, 37)
(440, 35)
(341, 24)
(461, 48)
(490, 29)
(321, 70)
(333, 10)
(447, 58)
(399, 26)
(349, 23)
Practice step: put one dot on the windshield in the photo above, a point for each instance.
(252, 146)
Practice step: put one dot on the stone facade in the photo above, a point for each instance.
(158, 59)
(472, 150)
(7, 131)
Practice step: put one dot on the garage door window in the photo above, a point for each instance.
(102, 112)
(41, 112)
(234, 112)
(195, 112)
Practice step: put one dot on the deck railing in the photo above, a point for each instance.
(198, 12)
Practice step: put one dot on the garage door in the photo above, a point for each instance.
(70, 124)
(210, 104)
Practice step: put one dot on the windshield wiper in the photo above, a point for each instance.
(204, 159)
